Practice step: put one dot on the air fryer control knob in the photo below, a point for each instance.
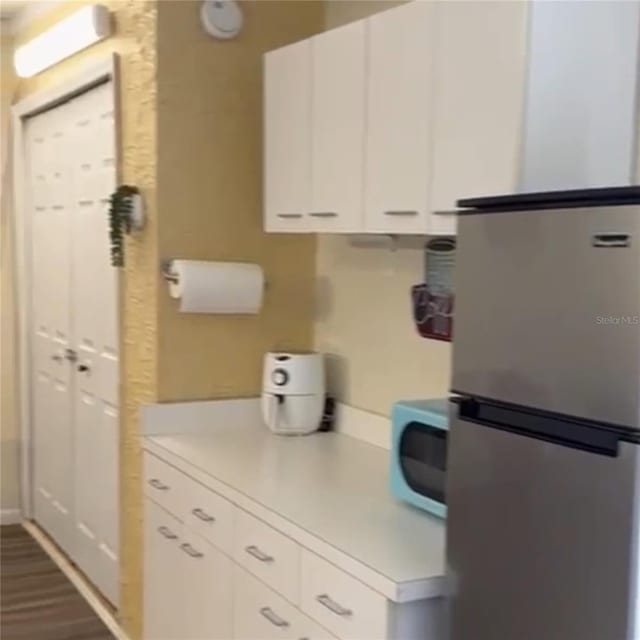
(279, 377)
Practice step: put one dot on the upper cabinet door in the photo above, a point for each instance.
(581, 113)
(338, 112)
(399, 112)
(478, 101)
(287, 137)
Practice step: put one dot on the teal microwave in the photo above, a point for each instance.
(418, 457)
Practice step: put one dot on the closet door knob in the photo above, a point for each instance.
(83, 368)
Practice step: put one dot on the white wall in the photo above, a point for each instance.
(363, 315)
(364, 324)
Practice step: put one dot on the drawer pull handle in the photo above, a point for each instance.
(332, 605)
(289, 215)
(202, 515)
(609, 239)
(167, 533)
(252, 550)
(401, 212)
(157, 484)
(273, 618)
(189, 550)
(324, 214)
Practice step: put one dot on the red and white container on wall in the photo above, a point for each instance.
(433, 300)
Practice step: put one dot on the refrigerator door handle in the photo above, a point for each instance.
(531, 423)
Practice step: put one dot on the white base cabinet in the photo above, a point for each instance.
(187, 582)
(260, 613)
(162, 565)
(246, 580)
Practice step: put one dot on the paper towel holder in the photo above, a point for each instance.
(167, 274)
(172, 277)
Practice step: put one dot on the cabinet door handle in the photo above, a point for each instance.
(157, 484)
(401, 212)
(202, 515)
(289, 215)
(323, 214)
(189, 550)
(167, 533)
(332, 605)
(273, 618)
(252, 550)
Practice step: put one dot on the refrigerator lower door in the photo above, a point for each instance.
(541, 537)
(548, 310)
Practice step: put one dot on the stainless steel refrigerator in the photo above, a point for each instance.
(543, 472)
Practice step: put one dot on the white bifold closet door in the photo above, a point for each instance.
(71, 170)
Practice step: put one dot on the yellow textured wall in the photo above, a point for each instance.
(9, 431)
(135, 24)
(210, 196)
(364, 316)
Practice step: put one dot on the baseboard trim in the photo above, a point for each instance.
(363, 425)
(197, 417)
(10, 516)
(77, 579)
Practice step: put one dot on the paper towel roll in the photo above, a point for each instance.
(217, 287)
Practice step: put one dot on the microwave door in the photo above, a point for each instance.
(541, 531)
(548, 310)
(423, 459)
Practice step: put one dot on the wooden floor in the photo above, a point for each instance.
(37, 601)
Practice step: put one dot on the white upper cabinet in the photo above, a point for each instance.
(581, 112)
(478, 94)
(287, 137)
(399, 114)
(338, 129)
(382, 125)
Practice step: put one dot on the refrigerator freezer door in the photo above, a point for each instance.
(548, 310)
(541, 538)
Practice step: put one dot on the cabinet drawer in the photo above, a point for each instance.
(339, 602)
(268, 554)
(164, 484)
(261, 613)
(210, 515)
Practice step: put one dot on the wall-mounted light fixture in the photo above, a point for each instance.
(72, 34)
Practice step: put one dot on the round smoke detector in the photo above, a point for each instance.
(221, 18)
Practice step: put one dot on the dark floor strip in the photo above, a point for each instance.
(37, 601)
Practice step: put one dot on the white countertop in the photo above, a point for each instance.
(330, 486)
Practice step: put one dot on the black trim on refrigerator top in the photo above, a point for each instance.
(583, 198)
(565, 431)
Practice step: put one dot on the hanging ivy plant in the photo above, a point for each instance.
(121, 206)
